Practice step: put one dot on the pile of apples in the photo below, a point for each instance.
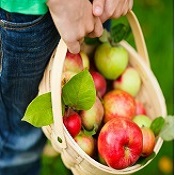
(116, 130)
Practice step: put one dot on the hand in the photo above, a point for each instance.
(74, 20)
(106, 9)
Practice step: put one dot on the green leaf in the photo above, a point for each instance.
(91, 132)
(157, 125)
(91, 41)
(167, 132)
(119, 32)
(39, 111)
(79, 92)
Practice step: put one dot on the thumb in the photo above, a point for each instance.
(98, 7)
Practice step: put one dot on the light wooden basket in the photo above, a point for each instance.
(150, 94)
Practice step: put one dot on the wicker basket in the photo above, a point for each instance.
(150, 94)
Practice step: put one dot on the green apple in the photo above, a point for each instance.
(111, 61)
(129, 81)
(142, 121)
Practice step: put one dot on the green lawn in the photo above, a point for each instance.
(156, 19)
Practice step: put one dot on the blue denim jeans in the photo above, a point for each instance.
(27, 43)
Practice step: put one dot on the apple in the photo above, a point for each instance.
(101, 160)
(120, 143)
(72, 122)
(66, 76)
(73, 63)
(118, 103)
(129, 81)
(86, 143)
(149, 141)
(140, 108)
(93, 117)
(100, 83)
(85, 59)
(142, 120)
(111, 61)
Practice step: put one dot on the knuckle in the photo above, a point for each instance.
(90, 28)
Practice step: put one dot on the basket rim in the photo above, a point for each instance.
(136, 167)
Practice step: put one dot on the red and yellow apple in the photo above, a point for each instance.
(118, 103)
(73, 63)
(86, 143)
(120, 143)
(93, 117)
(100, 83)
(149, 141)
(140, 108)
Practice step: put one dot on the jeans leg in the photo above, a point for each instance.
(27, 43)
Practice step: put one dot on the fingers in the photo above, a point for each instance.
(127, 7)
(130, 4)
(112, 8)
(98, 29)
(73, 47)
(75, 44)
(98, 7)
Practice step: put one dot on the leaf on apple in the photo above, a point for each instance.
(164, 127)
(157, 125)
(167, 131)
(79, 92)
(39, 111)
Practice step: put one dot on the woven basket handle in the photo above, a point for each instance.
(138, 36)
(56, 73)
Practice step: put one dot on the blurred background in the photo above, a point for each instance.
(156, 19)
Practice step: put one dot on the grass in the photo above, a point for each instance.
(156, 19)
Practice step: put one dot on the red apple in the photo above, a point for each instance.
(140, 109)
(93, 117)
(118, 103)
(73, 63)
(86, 143)
(100, 83)
(129, 81)
(120, 143)
(149, 141)
(72, 122)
